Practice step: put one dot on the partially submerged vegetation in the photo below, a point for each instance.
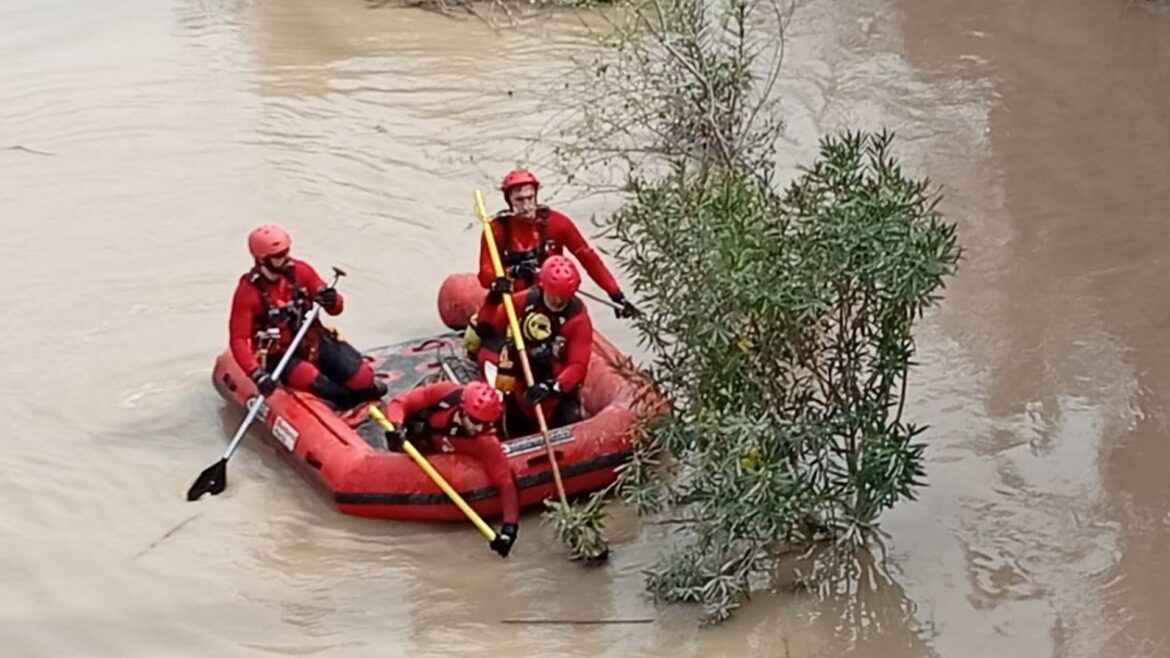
(778, 319)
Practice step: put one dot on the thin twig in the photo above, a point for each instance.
(20, 147)
(675, 521)
(777, 60)
(168, 534)
(577, 621)
(699, 76)
(474, 12)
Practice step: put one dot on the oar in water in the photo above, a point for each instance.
(518, 340)
(213, 479)
(426, 467)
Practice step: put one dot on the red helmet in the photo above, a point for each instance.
(559, 276)
(516, 178)
(481, 403)
(268, 240)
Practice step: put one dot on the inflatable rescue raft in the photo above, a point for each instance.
(346, 454)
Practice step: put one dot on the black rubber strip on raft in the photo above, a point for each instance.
(528, 481)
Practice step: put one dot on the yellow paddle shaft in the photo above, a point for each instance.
(518, 339)
(499, 267)
(425, 465)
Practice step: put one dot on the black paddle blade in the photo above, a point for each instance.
(212, 480)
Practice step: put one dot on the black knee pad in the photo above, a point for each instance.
(337, 358)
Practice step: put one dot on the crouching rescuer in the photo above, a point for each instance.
(558, 332)
(466, 416)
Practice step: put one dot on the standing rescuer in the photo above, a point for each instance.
(467, 417)
(270, 302)
(527, 234)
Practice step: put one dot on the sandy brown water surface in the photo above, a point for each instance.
(155, 134)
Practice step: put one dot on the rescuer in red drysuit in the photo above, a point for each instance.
(527, 234)
(467, 417)
(270, 302)
(558, 336)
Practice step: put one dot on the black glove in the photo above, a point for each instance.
(534, 395)
(525, 269)
(264, 381)
(394, 438)
(497, 289)
(627, 309)
(501, 285)
(502, 544)
(327, 297)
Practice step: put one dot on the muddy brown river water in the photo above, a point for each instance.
(156, 133)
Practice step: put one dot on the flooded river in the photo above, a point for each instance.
(141, 140)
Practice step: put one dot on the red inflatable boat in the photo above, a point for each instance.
(347, 455)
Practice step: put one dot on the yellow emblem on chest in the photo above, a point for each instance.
(537, 326)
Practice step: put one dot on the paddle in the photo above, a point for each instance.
(426, 467)
(518, 339)
(213, 479)
(601, 300)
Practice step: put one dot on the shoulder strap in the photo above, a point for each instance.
(418, 422)
(546, 244)
(261, 284)
(453, 399)
(574, 307)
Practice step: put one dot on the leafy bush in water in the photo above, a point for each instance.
(780, 327)
(778, 322)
